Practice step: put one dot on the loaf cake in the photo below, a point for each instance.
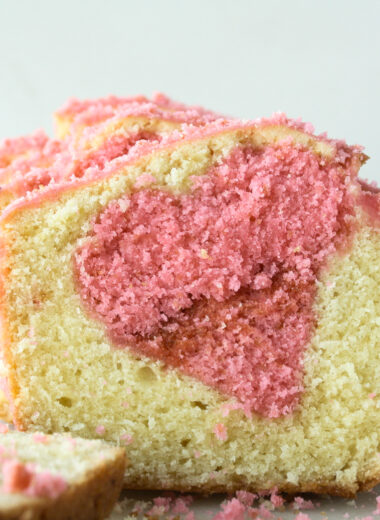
(210, 300)
(58, 477)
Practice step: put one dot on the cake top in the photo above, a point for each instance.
(273, 130)
(11, 149)
(90, 112)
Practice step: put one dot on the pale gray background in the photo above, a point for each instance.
(316, 59)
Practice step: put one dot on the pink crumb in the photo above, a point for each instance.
(377, 510)
(220, 432)
(264, 512)
(231, 510)
(246, 498)
(124, 404)
(126, 438)
(47, 485)
(197, 454)
(302, 516)
(160, 507)
(276, 499)
(4, 428)
(100, 429)
(301, 503)
(372, 395)
(180, 507)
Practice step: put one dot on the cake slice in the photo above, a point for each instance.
(58, 477)
(92, 133)
(212, 302)
(103, 129)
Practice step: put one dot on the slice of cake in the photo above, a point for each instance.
(58, 477)
(103, 129)
(212, 303)
(93, 133)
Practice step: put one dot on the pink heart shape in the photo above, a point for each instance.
(220, 282)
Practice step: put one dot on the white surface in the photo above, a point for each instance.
(326, 508)
(249, 58)
(319, 60)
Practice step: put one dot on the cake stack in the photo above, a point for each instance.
(202, 290)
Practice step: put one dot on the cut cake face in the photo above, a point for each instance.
(212, 303)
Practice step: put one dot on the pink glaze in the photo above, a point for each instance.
(23, 478)
(220, 282)
(11, 149)
(90, 112)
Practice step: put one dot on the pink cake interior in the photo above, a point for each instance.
(220, 282)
